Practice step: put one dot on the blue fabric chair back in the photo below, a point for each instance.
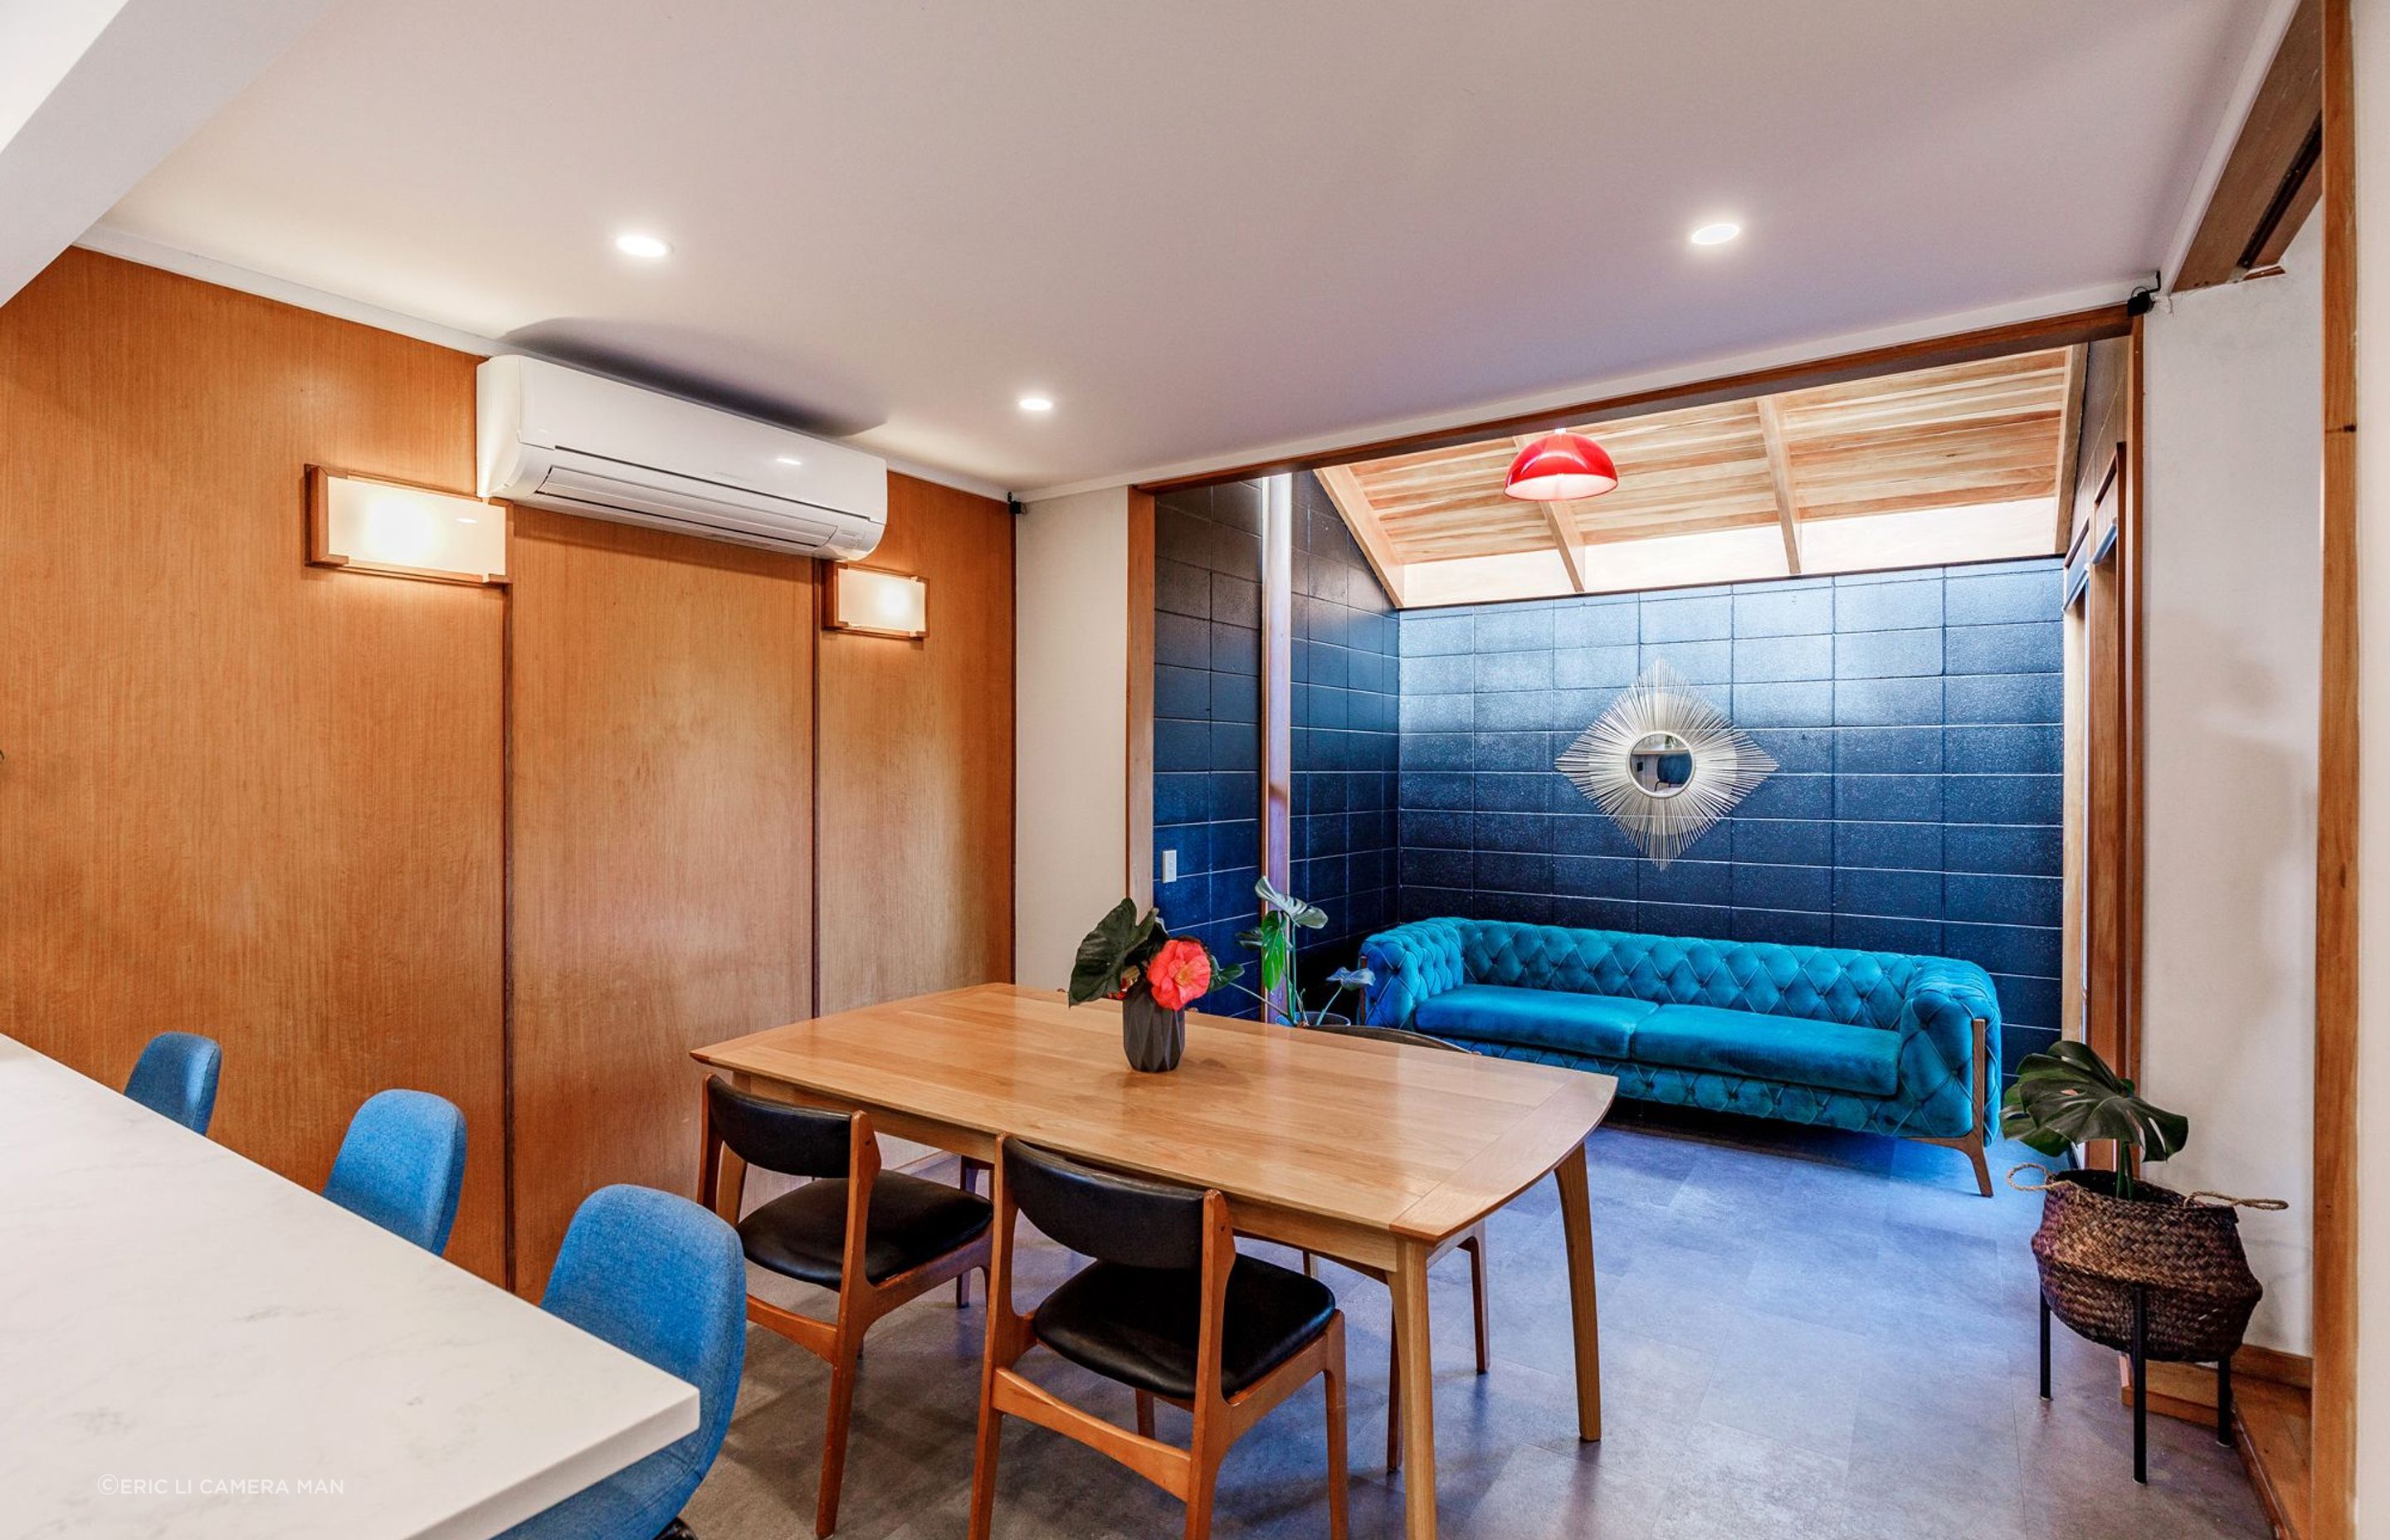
(402, 1165)
(665, 1281)
(176, 1077)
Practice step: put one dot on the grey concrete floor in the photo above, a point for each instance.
(1802, 1334)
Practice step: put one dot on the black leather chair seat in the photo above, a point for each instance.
(802, 1235)
(1138, 1325)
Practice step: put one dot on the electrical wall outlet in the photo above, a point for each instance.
(1170, 866)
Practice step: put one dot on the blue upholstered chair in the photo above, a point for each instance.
(176, 1077)
(663, 1280)
(402, 1165)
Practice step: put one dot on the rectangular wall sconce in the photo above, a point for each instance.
(367, 525)
(878, 604)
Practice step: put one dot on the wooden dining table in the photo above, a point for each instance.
(1375, 1154)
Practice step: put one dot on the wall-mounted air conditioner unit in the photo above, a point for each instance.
(556, 438)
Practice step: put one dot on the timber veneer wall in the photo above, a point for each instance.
(243, 796)
(274, 804)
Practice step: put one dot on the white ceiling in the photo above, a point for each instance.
(1202, 228)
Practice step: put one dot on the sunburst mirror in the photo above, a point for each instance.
(1664, 764)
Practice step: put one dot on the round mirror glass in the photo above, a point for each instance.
(1661, 764)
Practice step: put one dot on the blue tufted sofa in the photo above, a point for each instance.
(1873, 1041)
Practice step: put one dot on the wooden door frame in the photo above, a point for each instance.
(2332, 1489)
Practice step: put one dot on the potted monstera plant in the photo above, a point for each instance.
(2106, 1235)
(1272, 942)
(1153, 974)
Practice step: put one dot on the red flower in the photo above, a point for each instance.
(1179, 973)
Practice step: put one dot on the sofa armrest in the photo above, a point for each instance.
(1937, 1058)
(1411, 964)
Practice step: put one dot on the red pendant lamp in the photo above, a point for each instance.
(1561, 468)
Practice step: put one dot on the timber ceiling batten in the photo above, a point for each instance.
(1957, 462)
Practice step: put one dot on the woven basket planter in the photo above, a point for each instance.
(2094, 1248)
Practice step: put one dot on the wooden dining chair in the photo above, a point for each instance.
(1168, 1308)
(880, 1239)
(1472, 1240)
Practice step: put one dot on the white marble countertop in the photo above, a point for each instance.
(192, 1346)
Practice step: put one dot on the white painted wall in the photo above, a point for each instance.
(2235, 468)
(39, 43)
(1070, 726)
(94, 93)
(2373, 110)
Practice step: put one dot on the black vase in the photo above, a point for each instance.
(1153, 1038)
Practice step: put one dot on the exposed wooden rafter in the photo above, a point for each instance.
(1568, 536)
(1368, 532)
(1768, 484)
(1779, 476)
(2070, 440)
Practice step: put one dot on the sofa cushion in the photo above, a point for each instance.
(1861, 1059)
(1535, 1018)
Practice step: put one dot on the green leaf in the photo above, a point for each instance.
(1108, 950)
(2068, 1095)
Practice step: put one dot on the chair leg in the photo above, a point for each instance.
(2045, 1347)
(2140, 1385)
(991, 1442)
(843, 1376)
(1394, 1408)
(2223, 1401)
(1338, 1521)
(1475, 1247)
(1310, 1266)
(1202, 1477)
(1145, 1413)
(967, 1179)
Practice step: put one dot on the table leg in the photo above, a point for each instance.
(1409, 1282)
(1576, 1229)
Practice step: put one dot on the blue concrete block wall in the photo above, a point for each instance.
(1207, 755)
(1915, 717)
(1345, 748)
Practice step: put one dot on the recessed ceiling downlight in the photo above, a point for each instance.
(639, 244)
(1715, 232)
(1037, 404)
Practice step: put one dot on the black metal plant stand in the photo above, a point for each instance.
(2140, 1358)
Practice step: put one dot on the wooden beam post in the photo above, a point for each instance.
(1779, 475)
(1141, 697)
(2070, 439)
(1278, 676)
(2333, 1313)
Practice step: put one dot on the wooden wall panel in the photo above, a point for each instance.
(243, 796)
(915, 775)
(662, 831)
